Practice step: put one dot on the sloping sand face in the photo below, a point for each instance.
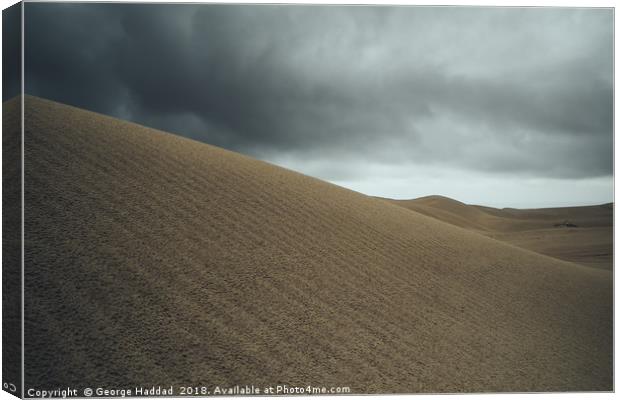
(156, 260)
(583, 235)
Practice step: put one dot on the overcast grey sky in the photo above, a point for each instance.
(507, 107)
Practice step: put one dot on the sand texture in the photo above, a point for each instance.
(11, 246)
(156, 260)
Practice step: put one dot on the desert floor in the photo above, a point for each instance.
(583, 235)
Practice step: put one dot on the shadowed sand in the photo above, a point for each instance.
(582, 235)
(156, 260)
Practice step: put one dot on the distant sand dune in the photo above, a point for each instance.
(578, 234)
(155, 260)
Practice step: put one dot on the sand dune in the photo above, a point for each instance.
(154, 260)
(578, 234)
(11, 243)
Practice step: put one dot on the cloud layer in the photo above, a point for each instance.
(342, 92)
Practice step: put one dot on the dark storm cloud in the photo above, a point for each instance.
(516, 91)
(11, 51)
